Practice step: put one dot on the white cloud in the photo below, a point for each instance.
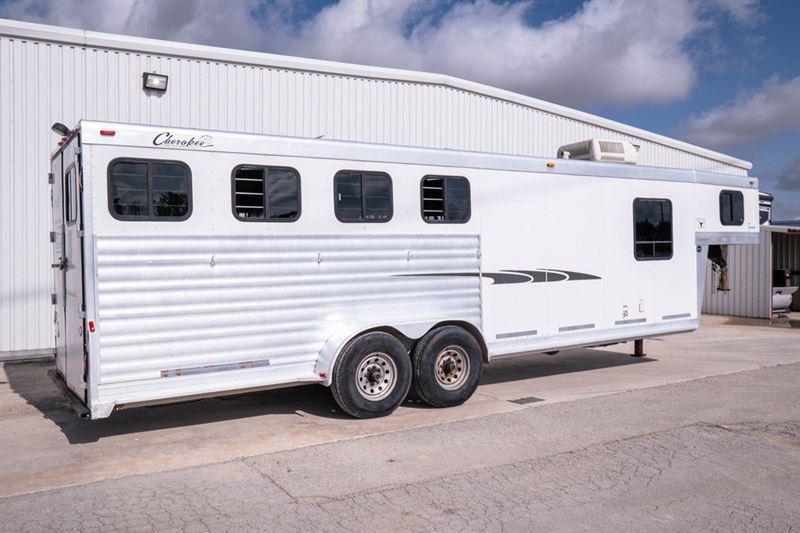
(753, 116)
(745, 12)
(608, 52)
(213, 22)
(619, 52)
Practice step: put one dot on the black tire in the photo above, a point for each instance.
(367, 365)
(460, 363)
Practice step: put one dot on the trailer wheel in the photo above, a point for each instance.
(447, 366)
(371, 376)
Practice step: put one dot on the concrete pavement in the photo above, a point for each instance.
(716, 454)
(683, 449)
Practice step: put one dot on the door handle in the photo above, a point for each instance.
(61, 265)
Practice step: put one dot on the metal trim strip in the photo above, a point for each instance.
(174, 372)
(513, 334)
(738, 237)
(576, 327)
(498, 350)
(676, 316)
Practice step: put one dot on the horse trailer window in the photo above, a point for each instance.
(445, 199)
(652, 226)
(362, 196)
(266, 194)
(731, 208)
(140, 189)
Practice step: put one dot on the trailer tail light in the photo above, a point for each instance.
(107, 133)
(91, 326)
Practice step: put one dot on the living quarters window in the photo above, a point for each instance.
(266, 194)
(731, 208)
(652, 226)
(140, 189)
(362, 196)
(445, 199)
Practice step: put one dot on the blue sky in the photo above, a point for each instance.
(724, 74)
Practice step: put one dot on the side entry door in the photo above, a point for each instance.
(69, 270)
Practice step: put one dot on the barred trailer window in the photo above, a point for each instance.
(445, 199)
(266, 194)
(652, 227)
(141, 189)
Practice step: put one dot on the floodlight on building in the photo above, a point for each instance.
(155, 82)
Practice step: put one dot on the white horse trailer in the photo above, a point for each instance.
(194, 263)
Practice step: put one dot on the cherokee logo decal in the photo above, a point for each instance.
(168, 139)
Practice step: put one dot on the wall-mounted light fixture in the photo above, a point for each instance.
(60, 129)
(155, 82)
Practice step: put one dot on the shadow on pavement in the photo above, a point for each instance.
(565, 362)
(30, 381)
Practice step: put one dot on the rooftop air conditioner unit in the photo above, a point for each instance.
(601, 150)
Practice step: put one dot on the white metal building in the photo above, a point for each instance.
(50, 74)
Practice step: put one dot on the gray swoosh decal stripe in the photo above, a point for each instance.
(505, 277)
(498, 278)
(549, 275)
(502, 278)
(537, 276)
(577, 276)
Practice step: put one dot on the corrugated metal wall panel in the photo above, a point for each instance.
(750, 278)
(224, 311)
(41, 83)
(786, 256)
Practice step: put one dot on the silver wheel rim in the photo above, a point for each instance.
(376, 376)
(451, 367)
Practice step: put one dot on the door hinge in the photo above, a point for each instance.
(80, 233)
(78, 150)
(52, 236)
(53, 298)
(50, 178)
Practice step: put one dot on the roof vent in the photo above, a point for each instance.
(601, 150)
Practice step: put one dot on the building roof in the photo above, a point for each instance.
(91, 39)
